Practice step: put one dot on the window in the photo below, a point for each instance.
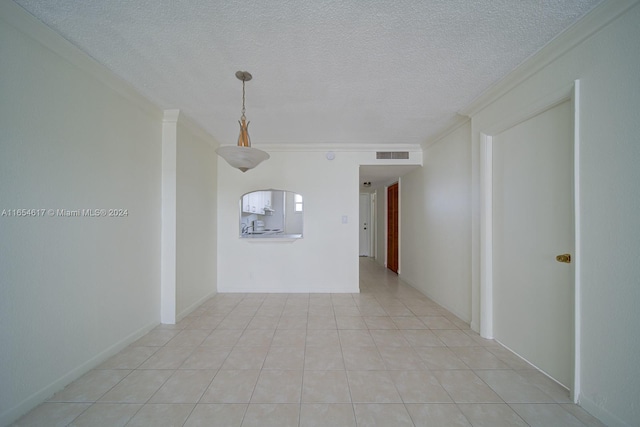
(298, 202)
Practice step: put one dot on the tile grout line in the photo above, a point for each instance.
(383, 295)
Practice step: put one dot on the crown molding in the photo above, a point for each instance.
(590, 24)
(171, 116)
(458, 123)
(339, 147)
(177, 117)
(22, 21)
(198, 131)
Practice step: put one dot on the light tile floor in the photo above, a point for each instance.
(388, 356)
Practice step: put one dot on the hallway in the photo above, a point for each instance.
(388, 356)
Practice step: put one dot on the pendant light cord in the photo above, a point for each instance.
(243, 109)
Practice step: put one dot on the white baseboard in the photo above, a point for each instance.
(184, 313)
(476, 328)
(603, 415)
(12, 414)
(428, 295)
(323, 288)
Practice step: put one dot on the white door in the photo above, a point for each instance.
(533, 222)
(365, 224)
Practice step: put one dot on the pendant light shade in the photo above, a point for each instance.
(242, 156)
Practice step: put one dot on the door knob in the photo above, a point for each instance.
(564, 258)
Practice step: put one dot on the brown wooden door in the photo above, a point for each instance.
(392, 227)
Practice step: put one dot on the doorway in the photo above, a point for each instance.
(365, 224)
(532, 224)
(393, 210)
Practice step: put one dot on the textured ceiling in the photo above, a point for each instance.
(382, 175)
(324, 71)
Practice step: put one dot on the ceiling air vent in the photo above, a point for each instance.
(392, 155)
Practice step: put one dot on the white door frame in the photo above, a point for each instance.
(367, 233)
(571, 93)
(373, 249)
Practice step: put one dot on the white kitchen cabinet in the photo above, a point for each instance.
(266, 199)
(246, 204)
(256, 201)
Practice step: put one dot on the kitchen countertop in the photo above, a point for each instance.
(272, 237)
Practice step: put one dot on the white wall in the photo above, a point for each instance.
(326, 259)
(436, 228)
(196, 218)
(607, 65)
(74, 289)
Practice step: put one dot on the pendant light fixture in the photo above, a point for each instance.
(242, 156)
